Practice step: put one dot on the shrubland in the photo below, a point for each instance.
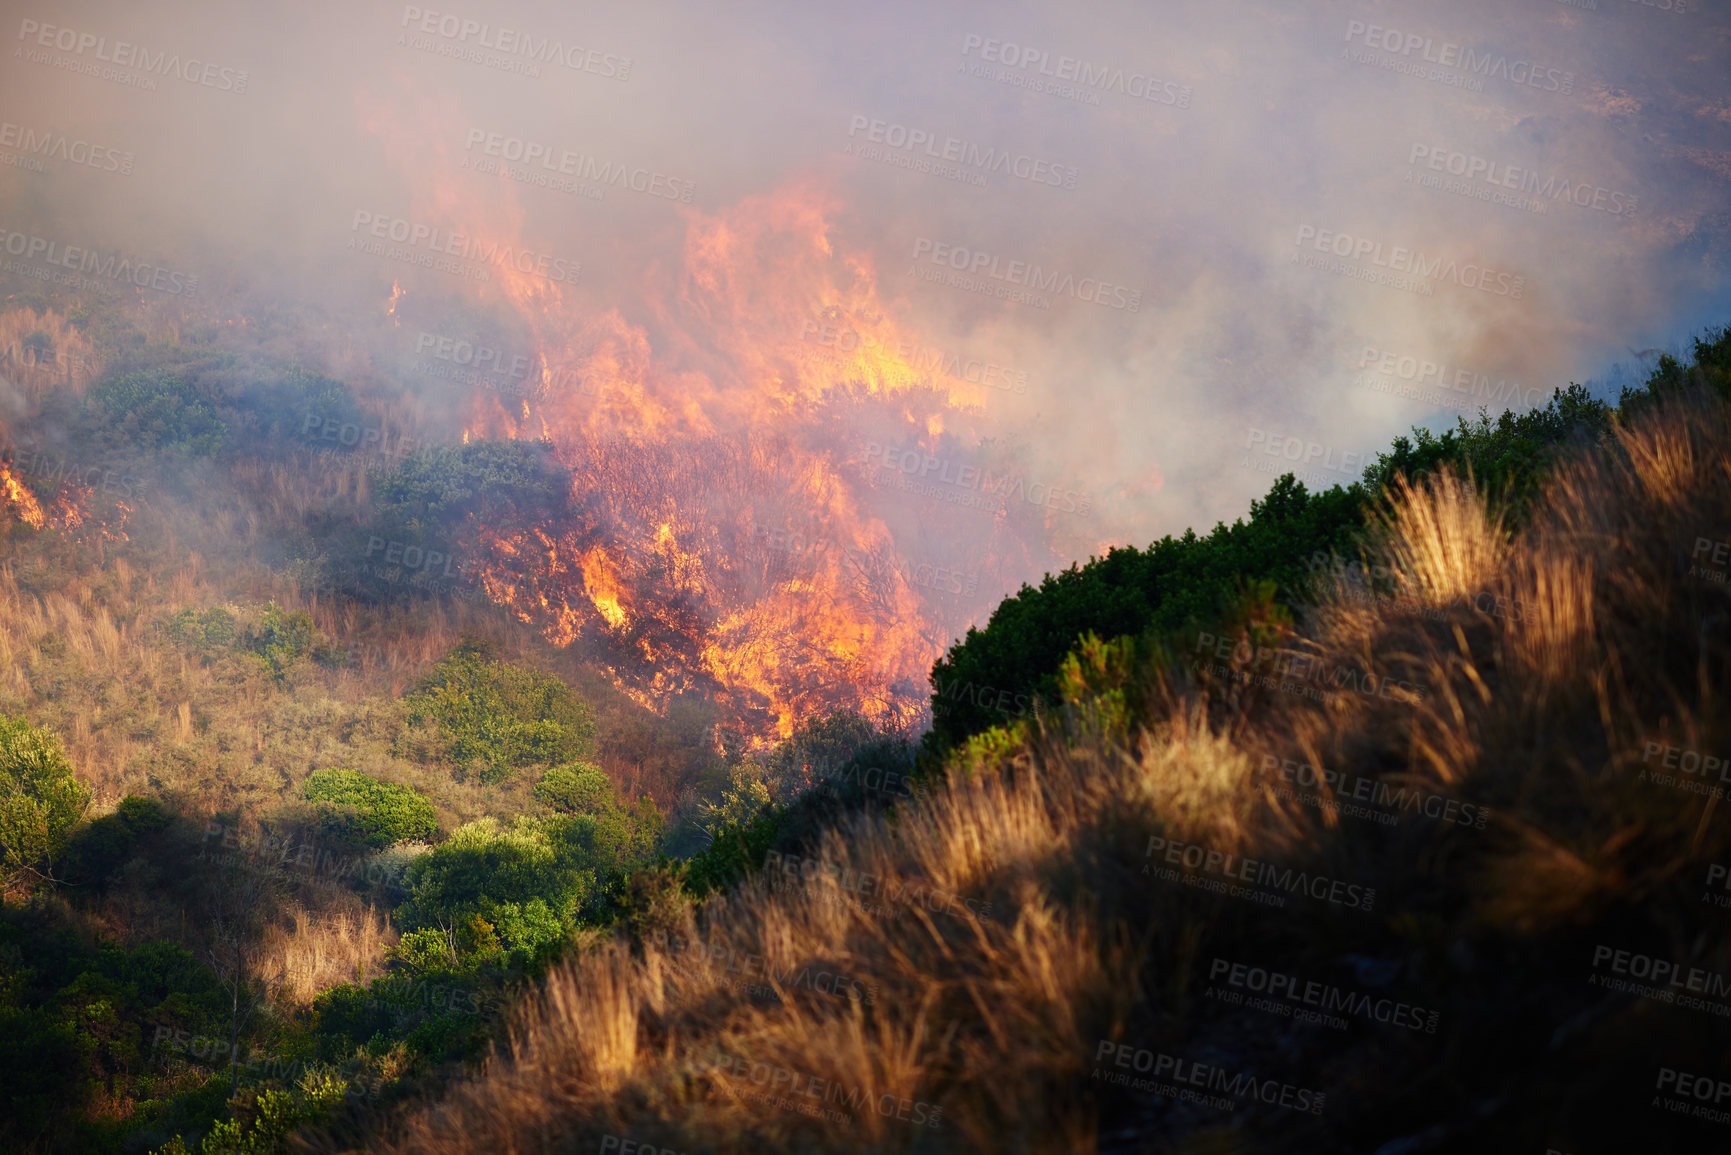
(297, 845)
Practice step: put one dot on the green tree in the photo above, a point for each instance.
(40, 801)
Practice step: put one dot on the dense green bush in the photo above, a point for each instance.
(83, 1024)
(284, 637)
(495, 718)
(159, 410)
(209, 632)
(102, 846)
(40, 801)
(526, 882)
(358, 807)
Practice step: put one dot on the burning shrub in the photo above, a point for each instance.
(496, 718)
(363, 808)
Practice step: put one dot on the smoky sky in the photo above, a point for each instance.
(1272, 235)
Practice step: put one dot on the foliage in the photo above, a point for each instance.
(745, 794)
(1180, 585)
(379, 813)
(99, 848)
(159, 410)
(526, 883)
(81, 1024)
(496, 718)
(1711, 367)
(816, 750)
(274, 1115)
(429, 495)
(210, 632)
(40, 801)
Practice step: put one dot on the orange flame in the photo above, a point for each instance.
(22, 502)
(699, 421)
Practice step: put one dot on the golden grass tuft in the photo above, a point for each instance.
(308, 952)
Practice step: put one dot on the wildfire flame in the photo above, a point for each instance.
(19, 499)
(699, 420)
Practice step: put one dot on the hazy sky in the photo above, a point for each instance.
(1174, 236)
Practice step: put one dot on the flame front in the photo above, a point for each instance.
(720, 538)
(19, 499)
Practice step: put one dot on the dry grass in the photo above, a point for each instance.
(308, 952)
(69, 365)
(1546, 664)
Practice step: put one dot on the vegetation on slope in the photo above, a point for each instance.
(1449, 799)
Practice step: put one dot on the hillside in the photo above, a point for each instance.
(1417, 872)
(1343, 827)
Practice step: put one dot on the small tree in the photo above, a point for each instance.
(40, 802)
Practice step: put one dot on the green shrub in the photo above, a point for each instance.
(98, 849)
(40, 801)
(495, 718)
(283, 637)
(159, 410)
(209, 632)
(363, 808)
(528, 881)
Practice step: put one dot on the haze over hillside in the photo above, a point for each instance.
(545, 467)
